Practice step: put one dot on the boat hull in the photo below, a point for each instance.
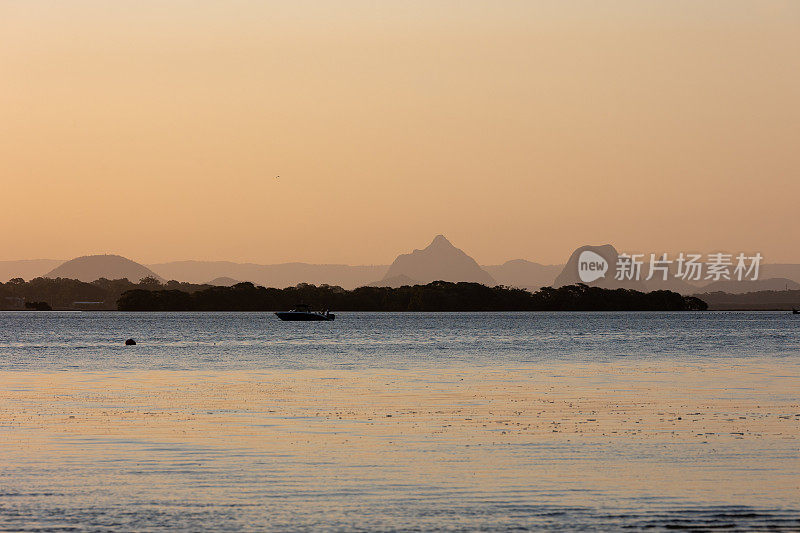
(294, 316)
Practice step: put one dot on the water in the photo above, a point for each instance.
(227, 341)
(386, 422)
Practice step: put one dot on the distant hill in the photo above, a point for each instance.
(27, 269)
(780, 270)
(439, 261)
(754, 301)
(278, 276)
(223, 282)
(92, 267)
(522, 273)
(741, 287)
(569, 275)
(669, 284)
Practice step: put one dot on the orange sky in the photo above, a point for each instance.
(519, 129)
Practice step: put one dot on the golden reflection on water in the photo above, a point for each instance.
(563, 434)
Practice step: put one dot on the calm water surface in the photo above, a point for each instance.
(207, 341)
(446, 421)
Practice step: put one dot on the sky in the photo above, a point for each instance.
(518, 129)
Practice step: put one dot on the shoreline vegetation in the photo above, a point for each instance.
(435, 296)
(152, 294)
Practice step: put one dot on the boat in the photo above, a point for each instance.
(302, 313)
(795, 311)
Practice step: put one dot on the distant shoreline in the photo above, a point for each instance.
(436, 296)
(103, 295)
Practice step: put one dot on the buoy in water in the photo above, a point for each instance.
(130, 342)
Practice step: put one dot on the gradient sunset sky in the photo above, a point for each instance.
(519, 129)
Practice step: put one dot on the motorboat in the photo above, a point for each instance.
(302, 313)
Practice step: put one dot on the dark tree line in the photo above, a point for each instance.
(62, 293)
(436, 296)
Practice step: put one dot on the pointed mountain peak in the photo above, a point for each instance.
(439, 261)
(440, 241)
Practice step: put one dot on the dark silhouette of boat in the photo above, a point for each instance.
(302, 313)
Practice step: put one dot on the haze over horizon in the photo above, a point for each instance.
(156, 130)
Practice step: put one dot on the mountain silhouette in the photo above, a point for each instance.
(92, 267)
(752, 301)
(734, 286)
(223, 281)
(570, 276)
(524, 274)
(433, 262)
(277, 275)
(780, 270)
(27, 268)
(670, 284)
(439, 261)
